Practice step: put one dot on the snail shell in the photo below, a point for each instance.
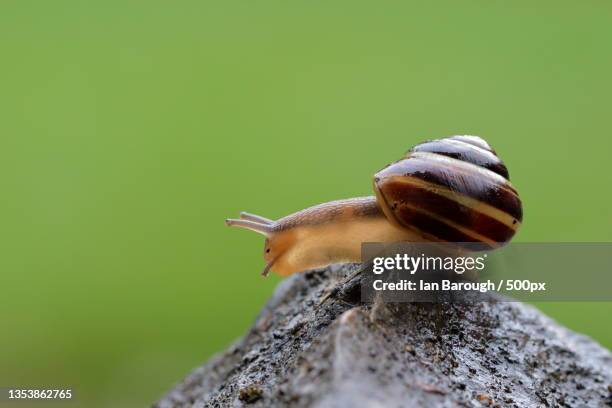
(454, 189)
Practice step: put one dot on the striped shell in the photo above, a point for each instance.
(454, 189)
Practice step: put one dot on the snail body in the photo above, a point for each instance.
(449, 190)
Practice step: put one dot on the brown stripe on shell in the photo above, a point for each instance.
(457, 176)
(473, 140)
(430, 226)
(462, 167)
(412, 182)
(399, 194)
(464, 151)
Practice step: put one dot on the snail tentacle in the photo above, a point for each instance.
(264, 229)
(257, 218)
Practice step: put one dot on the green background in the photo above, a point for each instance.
(130, 130)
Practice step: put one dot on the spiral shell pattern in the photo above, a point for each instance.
(454, 189)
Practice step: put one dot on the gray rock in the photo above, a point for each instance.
(307, 351)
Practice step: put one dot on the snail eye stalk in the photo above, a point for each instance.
(264, 229)
(256, 218)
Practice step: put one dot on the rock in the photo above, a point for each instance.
(316, 345)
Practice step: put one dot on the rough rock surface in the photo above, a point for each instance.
(308, 351)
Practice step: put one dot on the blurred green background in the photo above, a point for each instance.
(130, 130)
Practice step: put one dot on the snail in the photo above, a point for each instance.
(454, 189)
